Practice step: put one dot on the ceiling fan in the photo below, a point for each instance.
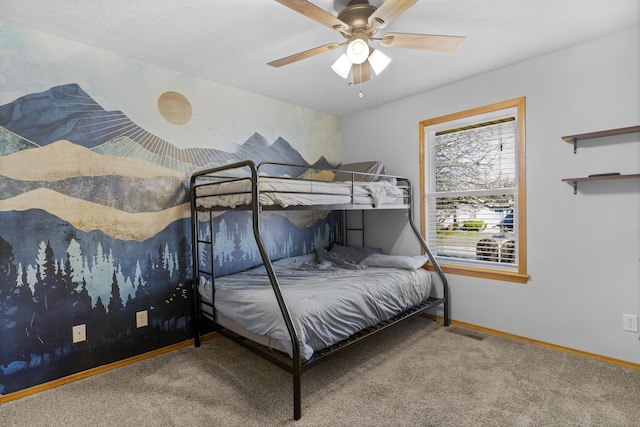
(358, 23)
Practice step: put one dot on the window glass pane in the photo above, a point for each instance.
(478, 228)
(479, 158)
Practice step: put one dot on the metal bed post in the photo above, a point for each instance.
(195, 264)
(434, 262)
(196, 268)
(297, 361)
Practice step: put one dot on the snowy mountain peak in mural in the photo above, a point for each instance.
(69, 113)
(62, 113)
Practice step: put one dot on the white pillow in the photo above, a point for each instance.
(372, 167)
(395, 261)
(206, 289)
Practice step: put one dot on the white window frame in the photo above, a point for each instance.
(491, 270)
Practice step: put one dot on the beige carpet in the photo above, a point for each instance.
(418, 374)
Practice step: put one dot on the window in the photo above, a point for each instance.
(473, 190)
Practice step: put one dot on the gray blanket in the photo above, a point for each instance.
(327, 302)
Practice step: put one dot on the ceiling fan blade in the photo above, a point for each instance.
(361, 72)
(312, 11)
(388, 11)
(304, 55)
(422, 41)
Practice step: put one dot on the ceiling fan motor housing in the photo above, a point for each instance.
(356, 16)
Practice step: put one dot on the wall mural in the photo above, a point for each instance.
(95, 213)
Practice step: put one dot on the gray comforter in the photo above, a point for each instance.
(327, 302)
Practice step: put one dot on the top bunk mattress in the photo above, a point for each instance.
(327, 302)
(285, 192)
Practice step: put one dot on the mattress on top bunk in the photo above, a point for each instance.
(286, 192)
(327, 302)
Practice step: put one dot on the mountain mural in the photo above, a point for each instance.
(63, 113)
(105, 190)
(68, 113)
(95, 226)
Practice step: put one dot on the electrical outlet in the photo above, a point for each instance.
(142, 319)
(79, 333)
(630, 322)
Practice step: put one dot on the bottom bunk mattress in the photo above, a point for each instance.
(327, 302)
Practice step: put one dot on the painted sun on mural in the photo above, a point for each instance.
(175, 108)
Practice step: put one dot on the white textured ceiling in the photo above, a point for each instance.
(231, 41)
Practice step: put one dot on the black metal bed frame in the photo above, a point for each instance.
(294, 365)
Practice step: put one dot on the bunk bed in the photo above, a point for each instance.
(275, 309)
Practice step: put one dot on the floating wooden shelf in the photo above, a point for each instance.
(575, 181)
(601, 178)
(573, 139)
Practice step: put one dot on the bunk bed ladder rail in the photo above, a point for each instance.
(432, 259)
(297, 358)
(195, 265)
(197, 269)
(296, 368)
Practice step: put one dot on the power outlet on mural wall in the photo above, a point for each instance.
(79, 333)
(142, 319)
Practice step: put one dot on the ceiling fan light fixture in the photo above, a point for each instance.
(342, 66)
(378, 61)
(357, 50)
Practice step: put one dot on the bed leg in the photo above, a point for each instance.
(297, 391)
(447, 314)
(196, 329)
(297, 410)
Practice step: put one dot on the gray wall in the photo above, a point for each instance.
(583, 250)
